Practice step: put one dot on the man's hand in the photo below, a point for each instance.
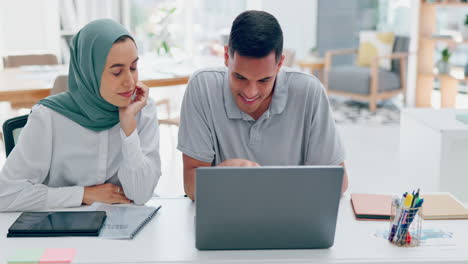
(104, 193)
(191, 164)
(238, 163)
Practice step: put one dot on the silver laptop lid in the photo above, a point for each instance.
(267, 207)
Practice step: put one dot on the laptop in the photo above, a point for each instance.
(267, 207)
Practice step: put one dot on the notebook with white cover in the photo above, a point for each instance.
(124, 221)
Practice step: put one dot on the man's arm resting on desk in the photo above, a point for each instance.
(344, 187)
(191, 164)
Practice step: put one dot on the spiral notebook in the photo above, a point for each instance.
(124, 221)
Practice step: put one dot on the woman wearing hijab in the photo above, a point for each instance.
(98, 142)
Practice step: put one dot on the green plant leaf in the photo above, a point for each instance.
(166, 47)
(446, 55)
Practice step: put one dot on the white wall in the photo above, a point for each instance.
(29, 25)
(298, 20)
(413, 50)
(2, 35)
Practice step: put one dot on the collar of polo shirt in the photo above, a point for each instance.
(277, 105)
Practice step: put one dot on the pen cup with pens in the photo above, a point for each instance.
(406, 220)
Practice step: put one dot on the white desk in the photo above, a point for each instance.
(169, 238)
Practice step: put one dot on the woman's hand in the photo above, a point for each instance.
(104, 193)
(128, 113)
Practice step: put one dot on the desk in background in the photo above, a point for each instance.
(169, 237)
(24, 86)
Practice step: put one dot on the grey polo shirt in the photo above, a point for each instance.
(297, 128)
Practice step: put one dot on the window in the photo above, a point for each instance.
(182, 28)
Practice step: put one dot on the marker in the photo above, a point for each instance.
(408, 200)
(419, 203)
(415, 199)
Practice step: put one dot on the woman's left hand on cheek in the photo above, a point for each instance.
(127, 114)
(135, 106)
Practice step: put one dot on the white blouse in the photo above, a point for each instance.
(55, 158)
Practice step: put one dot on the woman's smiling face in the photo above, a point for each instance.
(120, 73)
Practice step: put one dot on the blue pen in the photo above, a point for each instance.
(419, 203)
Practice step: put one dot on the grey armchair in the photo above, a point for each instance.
(368, 83)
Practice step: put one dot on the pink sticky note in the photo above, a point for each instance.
(58, 255)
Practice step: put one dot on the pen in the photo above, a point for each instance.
(397, 203)
(419, 203)
(414, 211)
(400, 232)
(415, 199)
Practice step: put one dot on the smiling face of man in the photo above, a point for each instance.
(252, 81)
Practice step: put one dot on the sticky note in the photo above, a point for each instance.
(58, 255)
(26, 256)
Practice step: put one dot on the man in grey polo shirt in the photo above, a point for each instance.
(254, 112)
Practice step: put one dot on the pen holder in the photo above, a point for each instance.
(405, 226)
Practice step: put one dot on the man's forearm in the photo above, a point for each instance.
(344, 187)
(189, 183)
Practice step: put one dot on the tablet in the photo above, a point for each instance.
(53, 224)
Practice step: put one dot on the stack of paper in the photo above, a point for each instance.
(443, 206)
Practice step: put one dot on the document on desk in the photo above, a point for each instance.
(124, 221)
(432, 238)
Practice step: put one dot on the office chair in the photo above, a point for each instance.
(60, 85)
(175, 121)
(373, 83)
(11, 130)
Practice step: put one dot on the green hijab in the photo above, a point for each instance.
(83, 102)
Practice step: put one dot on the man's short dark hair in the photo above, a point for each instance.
(256, 34)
